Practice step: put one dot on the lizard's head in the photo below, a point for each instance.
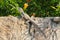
(20, 10)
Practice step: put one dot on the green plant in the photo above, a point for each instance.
(42, 8)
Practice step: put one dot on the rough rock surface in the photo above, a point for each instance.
(13, 28)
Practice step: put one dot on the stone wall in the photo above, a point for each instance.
(13, 28)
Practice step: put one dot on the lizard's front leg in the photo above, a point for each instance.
(29, 26)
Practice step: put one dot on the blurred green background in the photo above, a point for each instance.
(41, 8)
